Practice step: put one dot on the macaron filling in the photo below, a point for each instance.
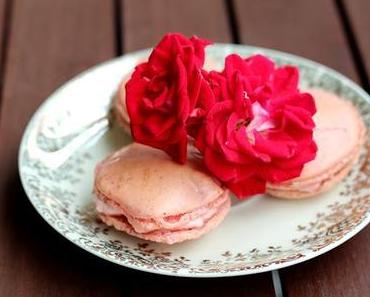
(195, 219)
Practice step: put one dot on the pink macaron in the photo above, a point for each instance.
(119, 107)
(339, 135)
(141, 191)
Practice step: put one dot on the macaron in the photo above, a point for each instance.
(141, 191)
(119, 107)
(339, 135)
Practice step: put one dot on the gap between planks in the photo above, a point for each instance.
(118, 26)
(353, 44)
(233, 21)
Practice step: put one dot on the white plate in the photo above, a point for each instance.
(259, 234)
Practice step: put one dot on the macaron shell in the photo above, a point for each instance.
(322, 185)
(147, 183)
(170, 237)
(119, 107)
(337, 133)
(309, 185)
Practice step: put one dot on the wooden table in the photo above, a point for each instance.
(44, 43)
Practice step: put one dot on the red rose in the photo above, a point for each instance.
(260, 130)
(165, 96)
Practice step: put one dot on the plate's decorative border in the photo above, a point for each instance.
(55, 204)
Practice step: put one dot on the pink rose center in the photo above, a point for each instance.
(261, 122)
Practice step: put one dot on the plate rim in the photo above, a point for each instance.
(185, 273)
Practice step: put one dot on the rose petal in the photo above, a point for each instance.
(285, 79)
(259, 66)
(276, 145)
(219, 167)
(247, 187)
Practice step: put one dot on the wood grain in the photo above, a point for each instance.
(145, 22)
(342, 272)
(50, 42)
(2, 34)
(311, 29)
(358, 14)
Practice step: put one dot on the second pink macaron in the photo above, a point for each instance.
(339, 135)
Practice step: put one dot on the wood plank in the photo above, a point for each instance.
(342, 272)
(357, 12)
(2, 34)
(50, 42)
(144, 24)
(311, 29)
